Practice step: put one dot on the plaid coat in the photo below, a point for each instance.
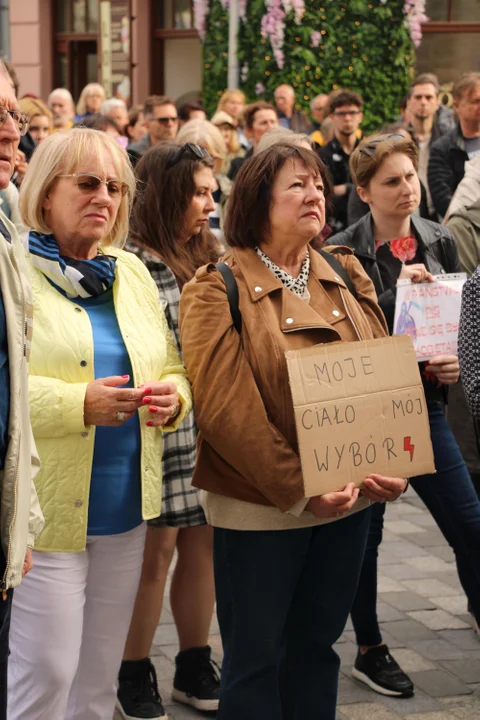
(181, 504)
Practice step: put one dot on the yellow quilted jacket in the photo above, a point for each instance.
(61, 366)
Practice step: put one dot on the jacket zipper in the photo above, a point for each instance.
(3, 584)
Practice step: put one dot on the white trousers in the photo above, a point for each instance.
(70, 619)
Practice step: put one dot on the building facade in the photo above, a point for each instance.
(138, 47)
(133, 47)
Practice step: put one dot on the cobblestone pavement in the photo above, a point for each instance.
(424, 620)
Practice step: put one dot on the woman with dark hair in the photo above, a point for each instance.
(135, 129)
(283, 597)
(169, 232)
(384, 168)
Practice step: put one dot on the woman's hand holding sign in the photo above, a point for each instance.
(446, 369)
(417, 273)
(378, 488)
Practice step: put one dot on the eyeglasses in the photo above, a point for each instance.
(19, 118)
(189, 150)
(166, 120)
(372, 146)
(346, 113)
(89, 184)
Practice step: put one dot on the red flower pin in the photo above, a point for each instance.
(404, 248)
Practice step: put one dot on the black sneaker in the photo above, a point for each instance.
(197, 679)
(137, 695)
(377, 669)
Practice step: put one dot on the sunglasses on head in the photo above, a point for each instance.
(89, 184)
(371, 147)
(190, 152)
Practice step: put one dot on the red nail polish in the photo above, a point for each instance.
(149, 423)
(147, 390)
(125, 376)
(147, 400)
(152, 409)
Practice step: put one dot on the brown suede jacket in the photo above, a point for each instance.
(247, 445)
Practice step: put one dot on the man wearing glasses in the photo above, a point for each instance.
(20, 516)
(161, 120)
(346, 116)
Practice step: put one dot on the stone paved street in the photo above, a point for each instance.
(424, 620)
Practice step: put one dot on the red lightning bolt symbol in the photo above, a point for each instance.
(408, 447)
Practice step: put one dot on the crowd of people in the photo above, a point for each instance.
(155, 267)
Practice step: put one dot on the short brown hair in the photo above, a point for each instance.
(247, 216)
(465, 84)
(164, 193)
(372, 151)
(346, 97)
(154, 101)
(426, 79)
(251, 110)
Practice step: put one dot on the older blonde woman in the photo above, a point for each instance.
(106, 382)
(90, 101)
(207, 136)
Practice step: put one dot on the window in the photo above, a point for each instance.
(175, 15)
(76, 34)
(450, 39)
(77, 16)
(177, 51)
(453, 10)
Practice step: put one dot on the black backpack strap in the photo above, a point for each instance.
(232, 294)
(337, 267)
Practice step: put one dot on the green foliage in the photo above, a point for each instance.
(365, 46)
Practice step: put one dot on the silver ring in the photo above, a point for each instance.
(120, 416)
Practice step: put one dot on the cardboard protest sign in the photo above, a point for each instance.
(359, 408)
(430, 313)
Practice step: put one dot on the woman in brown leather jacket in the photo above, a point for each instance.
(282, 596)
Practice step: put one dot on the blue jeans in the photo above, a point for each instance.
(455, 507)
(283, 598)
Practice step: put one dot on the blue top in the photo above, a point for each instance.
(115, 504)
(4, 385)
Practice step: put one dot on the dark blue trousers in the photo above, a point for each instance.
(5, 612)
(453, 502)
(283, 598)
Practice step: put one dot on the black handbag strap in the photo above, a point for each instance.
(338, 268)
(232, 287)
(232, 294)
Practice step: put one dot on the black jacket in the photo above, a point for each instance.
(436, 243)
(446, 168)
(237, 163)
(337, 162)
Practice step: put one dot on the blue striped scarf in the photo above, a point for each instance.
(77, 278)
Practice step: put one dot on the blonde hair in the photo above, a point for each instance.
(279, 134)
(228, 95)
(205, 134)
(88, 90)
(367, 157)
(63, 153)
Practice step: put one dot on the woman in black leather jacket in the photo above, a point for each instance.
(384, 170)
